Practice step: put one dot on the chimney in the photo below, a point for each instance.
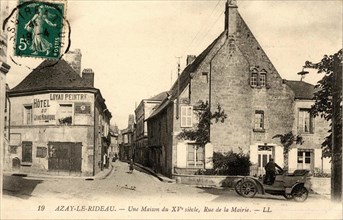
(73, 58)
(131, 120)
(190, 59)
(231, 14)
(88, 76)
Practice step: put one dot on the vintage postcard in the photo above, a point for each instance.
(216, 109)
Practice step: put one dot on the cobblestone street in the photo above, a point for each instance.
(129, 192)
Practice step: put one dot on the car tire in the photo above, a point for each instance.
(248, 189)
(288, 196)
(300, 193)
(238, 187)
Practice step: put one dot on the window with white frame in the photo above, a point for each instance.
(27, 114)
(262, 79)
(195, 156)
(305, 158)
(253, 79)
(65, 114)
(305, 121)
(259, 120)
(258, 78)
(186, 116)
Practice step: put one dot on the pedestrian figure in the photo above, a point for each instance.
(270, 171)
(104, 160)
(131, 166)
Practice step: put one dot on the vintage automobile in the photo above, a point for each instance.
(290, 185)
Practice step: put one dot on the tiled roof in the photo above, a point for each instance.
(185, 75)
(160, 107)
(185, 78)
(301, 89)
(52, 75)
(159, 97)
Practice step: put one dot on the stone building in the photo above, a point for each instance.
(114, 146)
(142, 112)
(59, 122)
(234, 72)
(313, 130)
(127, 144)
(4, 69)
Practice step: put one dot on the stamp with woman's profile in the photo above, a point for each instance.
(39, 29)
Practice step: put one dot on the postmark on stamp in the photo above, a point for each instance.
(39, 29)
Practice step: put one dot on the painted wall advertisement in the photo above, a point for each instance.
(57, 108)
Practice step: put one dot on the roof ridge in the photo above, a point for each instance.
(299, 81)
(51, 75)
(195, 64)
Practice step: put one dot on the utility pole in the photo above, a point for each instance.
(178, 88)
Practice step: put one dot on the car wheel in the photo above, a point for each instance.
(300, 194)
(238, 187)
(288, 196)
(248, 189)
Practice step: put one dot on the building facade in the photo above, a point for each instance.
(59, 123)
(4, 69)
(312, 129)
(142, 112)
(127, 144)
(234, 72)
(114, 146)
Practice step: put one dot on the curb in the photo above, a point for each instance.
(108, 174)
(100, 175)
(149, 171)
(158, 176)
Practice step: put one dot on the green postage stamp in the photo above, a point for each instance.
(40, 29)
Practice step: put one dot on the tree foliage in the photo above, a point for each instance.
(201, 133)
(287, 140)
(323, 106)
(231, 163)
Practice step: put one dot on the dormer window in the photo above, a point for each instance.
(253, 79)
(258, 78)
(262, 79)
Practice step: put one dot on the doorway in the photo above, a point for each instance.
(264, 154)
(65, 156)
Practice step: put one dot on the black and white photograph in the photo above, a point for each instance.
(171, 109)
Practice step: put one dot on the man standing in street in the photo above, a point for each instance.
(270, 171)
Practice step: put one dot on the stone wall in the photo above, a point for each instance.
(85, 129)
(229, 66)
(161, 141)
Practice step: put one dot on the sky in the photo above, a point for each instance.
(133, 46)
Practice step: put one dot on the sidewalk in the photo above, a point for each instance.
(101, 175)
(321, 185)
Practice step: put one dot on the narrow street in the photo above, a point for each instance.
(131, 194)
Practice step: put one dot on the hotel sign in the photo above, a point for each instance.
(45, 107)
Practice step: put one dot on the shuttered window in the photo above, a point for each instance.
(195, 156)
(186, 116)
